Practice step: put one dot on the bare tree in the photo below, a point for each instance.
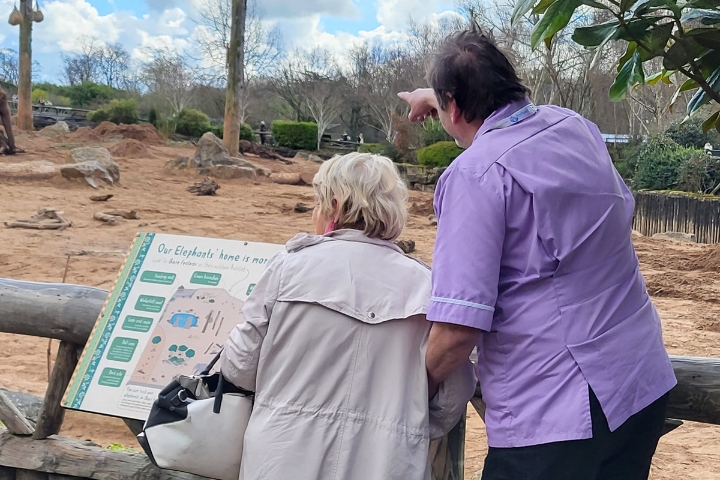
(263, 43)
(321, 82)
(169, 75)
(9, 66)
(113, 64)
(84, 66)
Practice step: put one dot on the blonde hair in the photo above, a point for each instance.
(369, 192)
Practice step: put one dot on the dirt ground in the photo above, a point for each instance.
(681, 277)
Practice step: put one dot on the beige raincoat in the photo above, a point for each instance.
(334, 344)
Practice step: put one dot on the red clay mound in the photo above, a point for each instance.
(146, 134)
(130, 148)
(84, 134)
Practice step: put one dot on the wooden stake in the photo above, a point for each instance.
(25, 117)
(49, 348)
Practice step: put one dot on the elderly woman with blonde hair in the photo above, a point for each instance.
(334, 342)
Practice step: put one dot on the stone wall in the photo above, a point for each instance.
(420, 178)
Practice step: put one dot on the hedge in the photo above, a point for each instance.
(440, 154)
(295, 135)
(386, 149)
(660, 162)
(246, 131)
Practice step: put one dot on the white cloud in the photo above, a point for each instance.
(394, 14)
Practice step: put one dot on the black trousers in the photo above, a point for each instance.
(624, 454)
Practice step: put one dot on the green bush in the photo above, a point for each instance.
(89, 94)
(659, 162)
(440, 154)
(99, 116)
(295, 135)
(690, 134)
(700, 173)
(386, 149)
(433, 132)
(39, 94)
(246, 133)
(192, 123)
(119, 111)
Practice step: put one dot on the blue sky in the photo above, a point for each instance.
(142, 24)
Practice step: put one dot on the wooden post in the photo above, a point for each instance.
(448, 454)
(25, 117)
(51, 413)
(236, 78)
(13, 418)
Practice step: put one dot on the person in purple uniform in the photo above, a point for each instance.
(534, 266)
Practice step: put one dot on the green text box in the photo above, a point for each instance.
(111, 377)
(148, 303)
(134, 323)
(161, 278)
(205, 278)
(122, 349)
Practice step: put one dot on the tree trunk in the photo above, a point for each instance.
(25, 118)
(236, 78)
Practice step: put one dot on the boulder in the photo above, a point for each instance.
(37, 170)
(60, 128)
(307, 178)
(89, 156)
(91, 171)
(286, 178)
(677, 236)
(227, 172)
(179, 163)
(29, 405)
(303, 155)
(315, 158)
(210, 151)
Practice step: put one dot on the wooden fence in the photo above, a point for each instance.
(33, 451)
(660, 212)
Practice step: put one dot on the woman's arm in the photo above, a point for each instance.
(239, 360)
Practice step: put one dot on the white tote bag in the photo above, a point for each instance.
(197, 425)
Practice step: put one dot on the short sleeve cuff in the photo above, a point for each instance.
(460, 312)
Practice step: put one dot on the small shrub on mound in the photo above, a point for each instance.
(192, 123)
(386, 149)
(295, 135)
(690, 134)
(246, 132)
(440, 154)
(119, 111)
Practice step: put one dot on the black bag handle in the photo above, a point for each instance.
(212, 363)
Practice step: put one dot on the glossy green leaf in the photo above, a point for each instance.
(631, 49)
(655, 78)
(594, 4)
(625, 5)
(555, 19)
(542, 6)
(706, 17)
(701, 97)
(666, 78)
(707, 37)
(648, 6)
(595, 35)
(630, 74)
(710, 122)
(681, 52)
(521, 8)
(689, 84)
(655, 41)
(701, 4)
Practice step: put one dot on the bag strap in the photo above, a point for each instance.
(212, 363)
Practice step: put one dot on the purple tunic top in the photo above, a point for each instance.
(533, 247)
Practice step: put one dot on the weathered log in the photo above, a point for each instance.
(52, 310)
(62, 456)
(448, 454)
(51, 413)
(12, 418)
(696, 397)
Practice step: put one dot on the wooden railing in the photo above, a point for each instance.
(68, 313)
(660, 212)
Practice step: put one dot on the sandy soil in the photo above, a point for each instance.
(681, 277)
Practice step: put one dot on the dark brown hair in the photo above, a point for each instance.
(470, 69)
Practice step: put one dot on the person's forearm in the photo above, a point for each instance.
(448, 347)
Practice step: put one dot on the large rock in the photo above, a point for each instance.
(37, 170)
(210, 151)
(91, 171)
(60, 128)
(677, 236)
(99, 155)
(303, 155)
(286, 178)
(227, 172)
(179, 163)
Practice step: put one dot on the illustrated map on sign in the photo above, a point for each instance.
(170, 312)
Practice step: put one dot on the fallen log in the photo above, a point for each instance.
(206, 187)
(45, 219)
(68, 312)
(114, 217)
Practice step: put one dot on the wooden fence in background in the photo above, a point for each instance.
(660, 212)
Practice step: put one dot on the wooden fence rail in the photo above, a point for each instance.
(659, 212)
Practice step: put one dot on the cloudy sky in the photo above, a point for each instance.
(138, 24)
